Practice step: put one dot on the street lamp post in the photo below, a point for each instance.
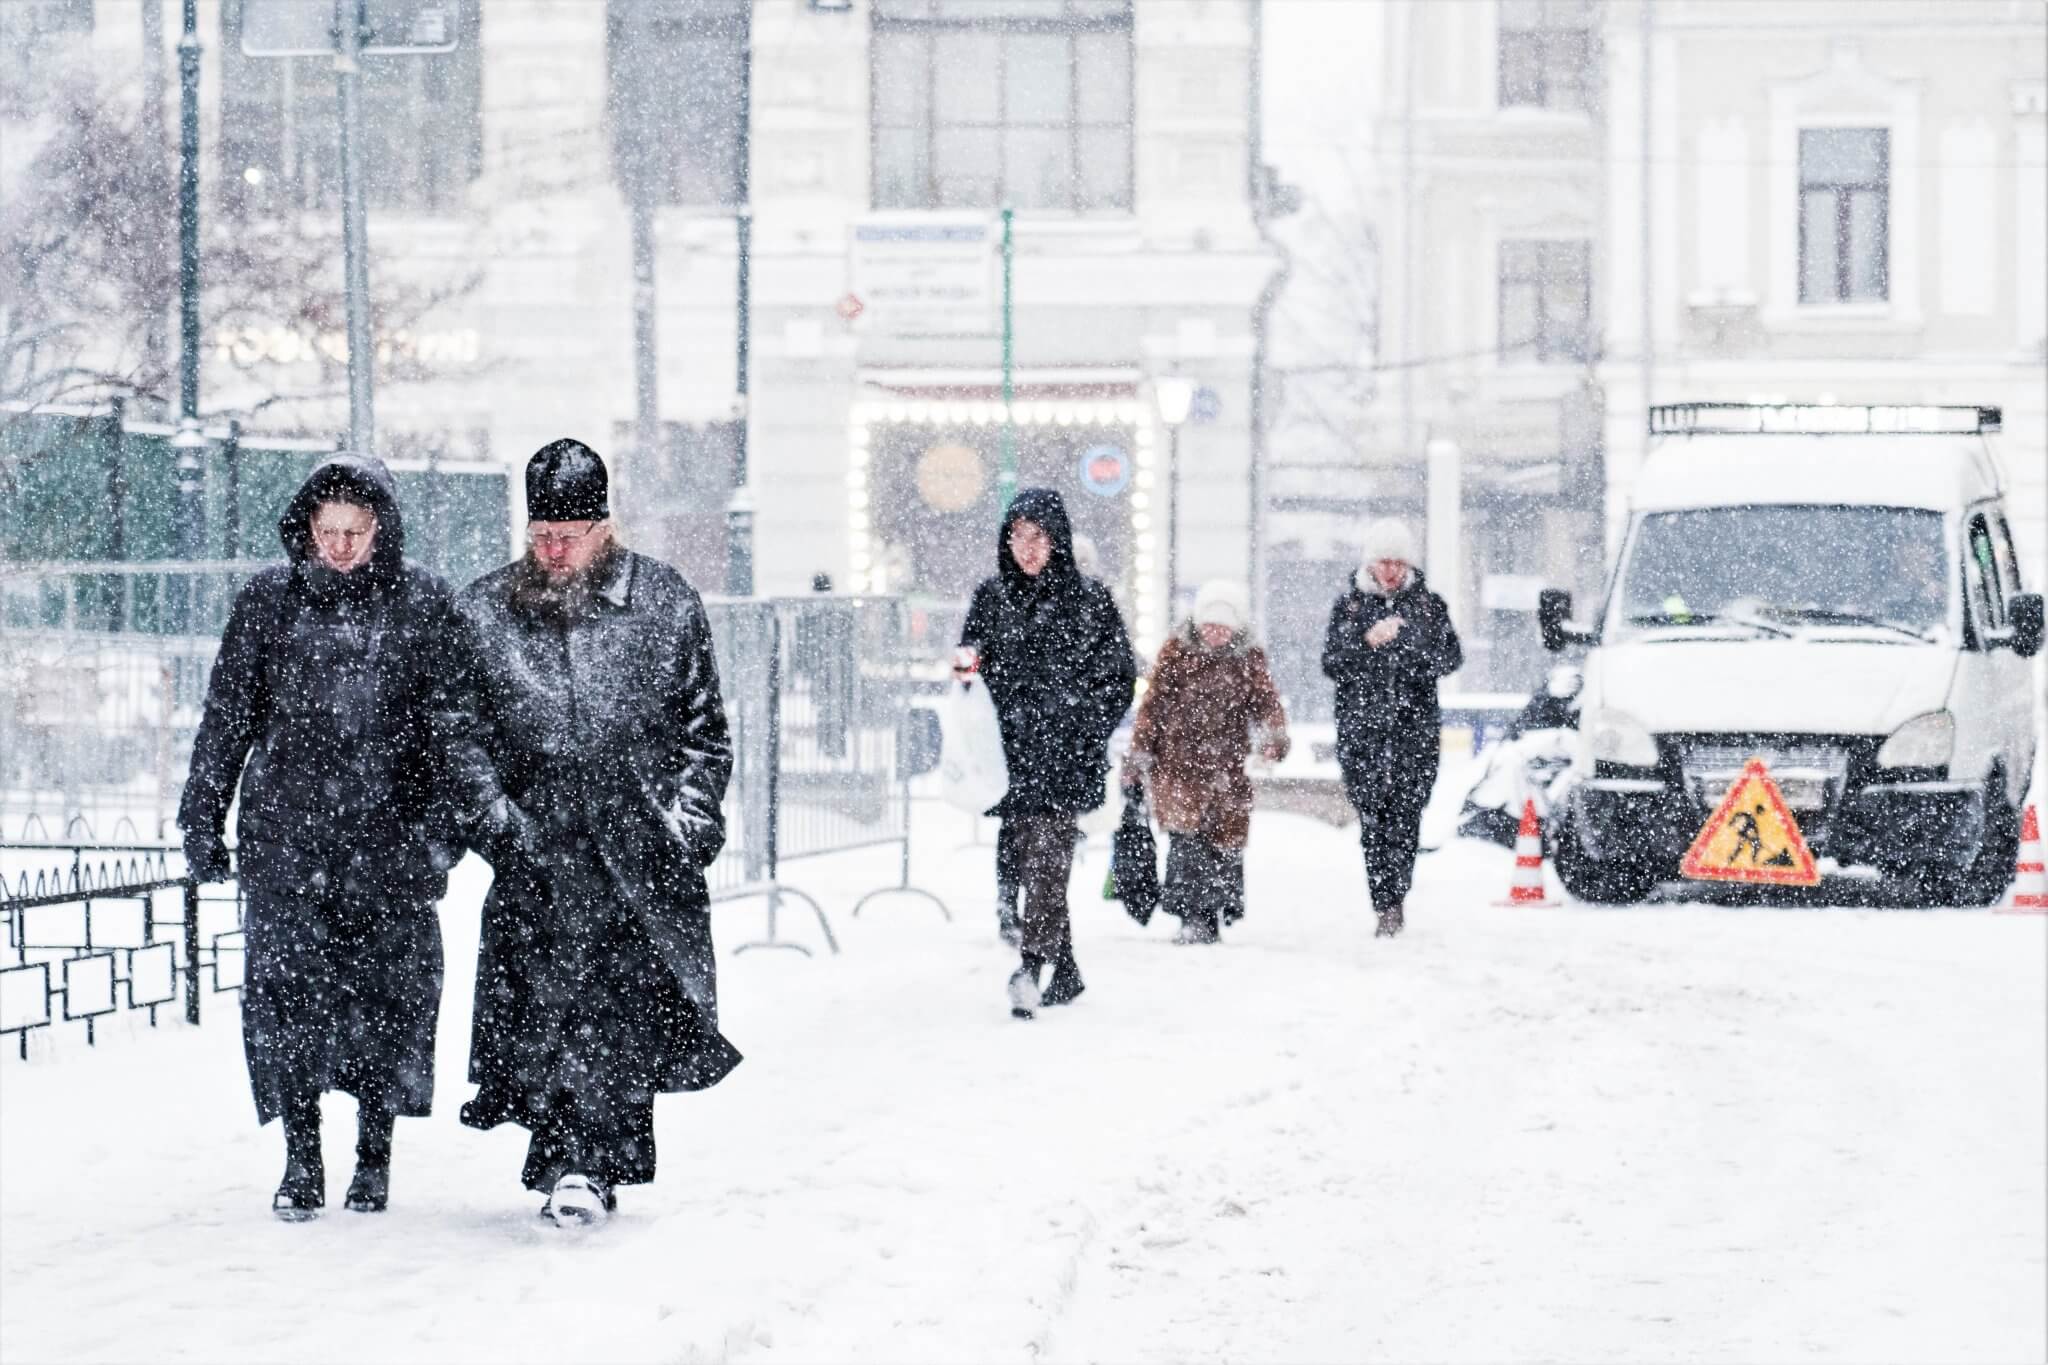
(1175, 397)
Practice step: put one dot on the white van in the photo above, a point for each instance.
(1832, 589)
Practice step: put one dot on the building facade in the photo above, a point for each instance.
(1585, 208)
(872, 146)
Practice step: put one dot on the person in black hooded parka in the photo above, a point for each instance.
(595, 761)
(1057, 661)
(1389, 641)
(328, 705)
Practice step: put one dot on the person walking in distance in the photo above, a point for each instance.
(595, 762)
(1209, 698)
(1051, 648)
(329, 706)
(1389, 641)
(1086, 556)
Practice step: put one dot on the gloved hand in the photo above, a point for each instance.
(510, 834)
(206, 858)
(442, 854)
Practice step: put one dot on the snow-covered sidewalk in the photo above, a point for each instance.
(1677, 1133)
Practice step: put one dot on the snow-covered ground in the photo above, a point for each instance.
(1679, 1133)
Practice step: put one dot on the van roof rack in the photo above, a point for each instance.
(1818, 419)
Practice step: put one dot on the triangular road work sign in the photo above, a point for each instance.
(1751, 837)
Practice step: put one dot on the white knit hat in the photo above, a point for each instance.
(1223, 602)
(1387, 538)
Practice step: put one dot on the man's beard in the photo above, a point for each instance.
(560, 598)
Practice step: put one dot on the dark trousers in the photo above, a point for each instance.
(1204, 884)
(1045, 862)
(1390, 833)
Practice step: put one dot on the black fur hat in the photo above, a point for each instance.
(566, 481)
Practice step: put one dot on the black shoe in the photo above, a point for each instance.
(1064, 986)
(370, 1191)
(1390, 922)
(302, 1193)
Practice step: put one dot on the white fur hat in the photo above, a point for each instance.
(1387, 538)
(1223, 602)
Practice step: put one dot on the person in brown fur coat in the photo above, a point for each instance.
(1208, 697)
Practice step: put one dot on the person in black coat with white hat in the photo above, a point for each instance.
(329, 706)
(594, 762)
(1389, 641)
(1052, 649)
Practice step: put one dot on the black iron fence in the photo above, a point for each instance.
(93, 929)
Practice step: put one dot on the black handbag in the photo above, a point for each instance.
(1134, 863)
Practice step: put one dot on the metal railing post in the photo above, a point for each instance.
(191, 951)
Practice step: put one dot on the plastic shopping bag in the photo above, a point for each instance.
(1134, 863)
(972, 772)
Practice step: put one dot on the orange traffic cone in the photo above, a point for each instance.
(1527, 887)
(2030, 884)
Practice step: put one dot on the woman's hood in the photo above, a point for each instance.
(368, 480)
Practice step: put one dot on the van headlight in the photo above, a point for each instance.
(1617, 737)
(1927, 741)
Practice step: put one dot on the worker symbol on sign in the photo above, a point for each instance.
(1752, 837)
(1749, 839)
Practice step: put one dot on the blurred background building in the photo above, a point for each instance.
(1524, 220)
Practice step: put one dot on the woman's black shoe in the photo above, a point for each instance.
(370, 1191)
(302, 1193)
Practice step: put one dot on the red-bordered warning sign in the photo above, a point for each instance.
(1751, 837)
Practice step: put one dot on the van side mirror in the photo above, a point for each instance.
(2025, 608)
(1553, 619)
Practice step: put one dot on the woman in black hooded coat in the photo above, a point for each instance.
(1057, 662)
(328, 707)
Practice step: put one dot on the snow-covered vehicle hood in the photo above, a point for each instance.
(1785, 686)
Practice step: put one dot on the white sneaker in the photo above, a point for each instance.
(577, 1201)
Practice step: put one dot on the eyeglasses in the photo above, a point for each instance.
(563, 539)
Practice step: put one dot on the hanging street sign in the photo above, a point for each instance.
(927, 274)
(1751, 837)
(306, 28)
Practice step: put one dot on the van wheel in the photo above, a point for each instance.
(1991, 871)
(1601, 881)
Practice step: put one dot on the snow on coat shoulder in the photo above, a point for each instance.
(973, 774)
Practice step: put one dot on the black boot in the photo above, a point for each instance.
(303, 1192)
(1390, 922)
(1024, 997)
(1066, 980)
(370, 1190)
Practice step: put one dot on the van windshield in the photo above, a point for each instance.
(1787, 571)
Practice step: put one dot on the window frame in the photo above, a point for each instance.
(1844, 193)
(1073, 22)
(1980, 571)
(678, 24)
(1537, 351)
(1557, 20)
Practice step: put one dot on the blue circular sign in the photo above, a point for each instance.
(1105, 470)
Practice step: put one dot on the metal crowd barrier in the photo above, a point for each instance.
(818, 694)
(100, 699)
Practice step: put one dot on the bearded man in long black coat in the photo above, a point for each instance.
(328, 705)
(596, 761)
